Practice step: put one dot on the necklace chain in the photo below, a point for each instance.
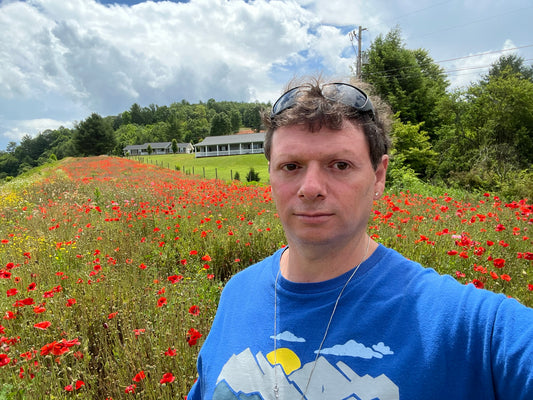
(276, 388)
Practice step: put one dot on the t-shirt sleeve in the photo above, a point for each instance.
(512, 351)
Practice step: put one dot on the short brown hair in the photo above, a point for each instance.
(315, 111)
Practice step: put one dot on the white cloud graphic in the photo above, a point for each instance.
(381, 348)
(354, 349)
(288, 336)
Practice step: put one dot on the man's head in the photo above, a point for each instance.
(317, 105)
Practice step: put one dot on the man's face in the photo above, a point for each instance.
(323, 184)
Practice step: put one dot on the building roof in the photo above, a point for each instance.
(232, 139)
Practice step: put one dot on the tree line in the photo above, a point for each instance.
(478, 137)
(180, 122)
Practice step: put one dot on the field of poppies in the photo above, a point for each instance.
(110, 270)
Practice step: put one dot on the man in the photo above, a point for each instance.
(335, 315)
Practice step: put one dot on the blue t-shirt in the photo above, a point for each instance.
(399, 331)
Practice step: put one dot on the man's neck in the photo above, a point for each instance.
(301, 264)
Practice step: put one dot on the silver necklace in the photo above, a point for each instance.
(276, 388)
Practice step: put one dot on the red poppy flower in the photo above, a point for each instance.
(71, 302)
(32, 286)
(42, 325)
(79, 384)
(4, 360)
(499, 262)
(130, 389)
(530, 287)
(452, 252)
(142, 266)
(192, 337)
(505, 277)
(167, 378)
(69, 388)
(112, 315)
(194, 310)
(161, 301)
(2, 329)
(206, 258)
(171, 352)
(175, 278)
(12, 292)
(39, 309)
(139, 376)
(477, 283)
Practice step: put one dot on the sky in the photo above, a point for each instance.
(61, 61)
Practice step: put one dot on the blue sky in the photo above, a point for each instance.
(63, 60)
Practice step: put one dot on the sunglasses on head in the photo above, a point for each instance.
(344, 93)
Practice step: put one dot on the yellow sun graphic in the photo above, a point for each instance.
(287, 358)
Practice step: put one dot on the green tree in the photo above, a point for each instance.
(236, 120)
(252, 117)
(408, 80)
(220, 125)
(94, 136)
(411, 147)
(174, 146)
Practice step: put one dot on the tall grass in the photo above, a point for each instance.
(111, 269)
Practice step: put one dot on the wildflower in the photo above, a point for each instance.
(499, 262)
(142, 266)
(130, 389)
(530, 287)
(138, 332)
(42, 325)
(477, 283)
(161, 302)
(452, 252)
(12, 292)
(32, 286)
(112, 315)
(139, 376)
(192, 337)
(194, 310)
(505, 277)
(171, 352)
(4, 360)
(206, 258)
(69, 388)
(71, 302)
(167, 378)
(175, 278)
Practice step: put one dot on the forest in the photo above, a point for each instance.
(478, 138)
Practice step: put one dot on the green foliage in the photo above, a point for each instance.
(94, 136)
(407, 79)
(220, 125)
(411, 147)
(174, 146)
(252, 176)
(237, 176)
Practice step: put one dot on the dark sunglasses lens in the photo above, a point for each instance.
(285, 101)
(346, 94)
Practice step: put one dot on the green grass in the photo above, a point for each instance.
(223, 167)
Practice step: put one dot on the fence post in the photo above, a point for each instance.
(204, 171)
(216, 173)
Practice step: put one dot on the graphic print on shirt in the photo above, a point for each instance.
(252, 376)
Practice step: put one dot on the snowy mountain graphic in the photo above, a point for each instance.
(252, 377)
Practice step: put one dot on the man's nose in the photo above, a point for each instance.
(313, 184)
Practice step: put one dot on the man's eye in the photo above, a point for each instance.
(342, 165)
(290, 167)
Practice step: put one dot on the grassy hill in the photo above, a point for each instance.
(223, 167)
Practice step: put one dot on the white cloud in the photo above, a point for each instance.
(19, 129)
(288, 336)
(470, 69)
(354, 349)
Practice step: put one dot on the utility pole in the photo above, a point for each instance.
(359, 52)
